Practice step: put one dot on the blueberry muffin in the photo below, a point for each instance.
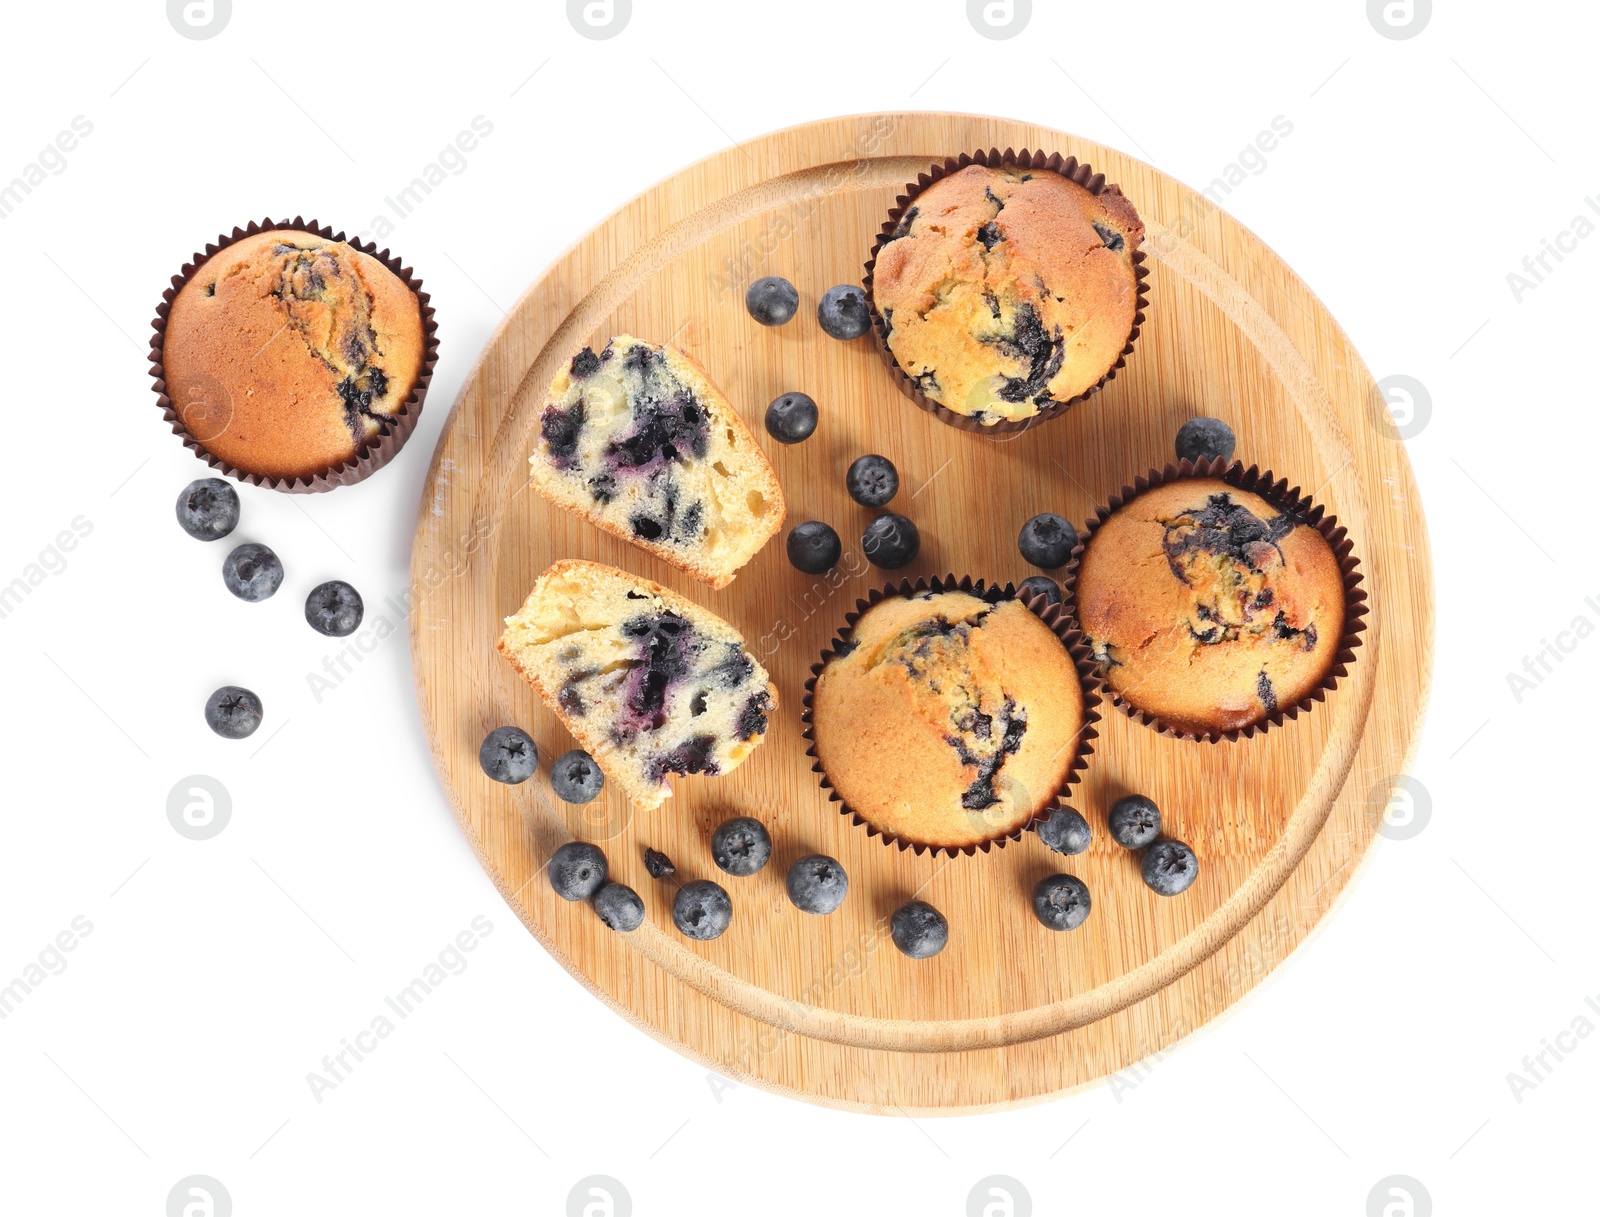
(638, 441)
(650, 684)
(1004, 291)
(946, 720)
(1209, 608)
(286, 354)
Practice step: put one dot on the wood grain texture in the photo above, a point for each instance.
(825, 1008)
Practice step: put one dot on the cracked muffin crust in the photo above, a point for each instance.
(946, 720)
(638, 441)
(648, 683)
(286, 353)
(1209, 608)
(1006, 290)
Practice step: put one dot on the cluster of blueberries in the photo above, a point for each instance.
(208, 510)
(1168, 865)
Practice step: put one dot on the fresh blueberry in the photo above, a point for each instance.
(791, 418)
(619, 907)
(741, 846)
(208, 509)
(575, 777)
(509, 755)
(813, 547)
(919, 929)
(872, 480)
(1065, 831)
(658, 864)
(232, 712)
(1047, 540)
(891, 541)
(334, 608)
(252, 572)
(1061, 902)
(772, 300)
(1041, 585)
(817, 884)
(1169, 867)
(1135, 821)
(1201, 439)
(577, 870)
(842, 312)
(702, 910)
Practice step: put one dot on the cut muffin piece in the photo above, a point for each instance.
(649, 683)
(639, 441)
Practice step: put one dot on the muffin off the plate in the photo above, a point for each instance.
(946, 720)
(1207, 607)
(1006, 290)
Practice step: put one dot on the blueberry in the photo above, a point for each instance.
(872, 480)
(252, 572)
(232, 712)
(1065, 831)
(791, 418)
(1061, 902)
(509, 755)
(575, 777)
(702, 910)
(1135, 821)
(817, 884)
(772, 300)
(1040, 585)
(619, 907)
(1201, 439)
(741, 846)
(891, 541)
(919, 929)
(334, 608)
(577, 870)
(842, 312)
(813, 547)
(1169, 867)
(1047, 540)
(658, 864)
(208, 509)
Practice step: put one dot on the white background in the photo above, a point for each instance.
(178, 1037)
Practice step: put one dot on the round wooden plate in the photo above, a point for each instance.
(824, 1008)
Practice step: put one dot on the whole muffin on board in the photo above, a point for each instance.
(1004, 290)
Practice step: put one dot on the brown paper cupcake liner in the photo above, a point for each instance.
(1068, 167)
(1285, 498)
(372, 455)
(1060, 624)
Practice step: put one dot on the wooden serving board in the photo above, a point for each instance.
(825, 1008)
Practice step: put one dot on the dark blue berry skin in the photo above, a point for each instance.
(577, 870)
(334, 608)
(252, 572)
(919, 930)
(619, 907)
(872, 480)
(817, 884)
(232, 712)
(1047, 540)
(842, 312)
(741, 846)
(891, 541)
(772, 300)
(1169, 867)
(702, 910)
(575, 777)
(1065, 831)
(813, 547)
(208, 509)
(1202, 439)
(1061, 902)
(509, 755)
(1135, 821)
(1040, 585)
(791, 418)
(658, 864)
